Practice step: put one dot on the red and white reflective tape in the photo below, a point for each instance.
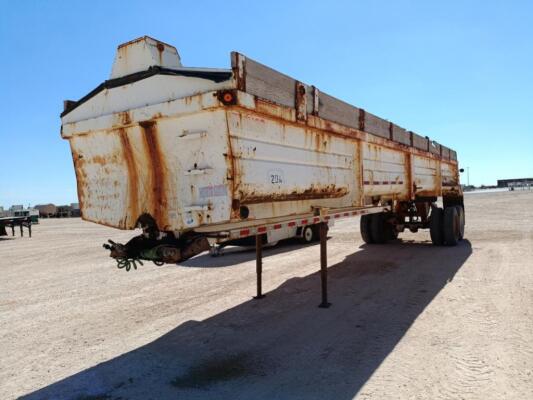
(382, 182)
(252, 231)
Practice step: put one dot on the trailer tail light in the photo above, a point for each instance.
(227, 97)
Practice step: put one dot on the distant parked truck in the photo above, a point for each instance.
(198, 156)
(63, 211)
(46, 210)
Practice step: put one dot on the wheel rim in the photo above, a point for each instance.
(308, 234)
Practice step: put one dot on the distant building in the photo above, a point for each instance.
(502, 183)
(17, 207)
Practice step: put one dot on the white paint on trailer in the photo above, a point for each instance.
(154, 90)
(143, 53)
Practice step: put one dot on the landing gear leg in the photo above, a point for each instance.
(259, 266)
(216, 250)
(324, 264)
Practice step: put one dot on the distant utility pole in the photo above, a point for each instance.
(467, 176)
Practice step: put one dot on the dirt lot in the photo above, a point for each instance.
(408, 321)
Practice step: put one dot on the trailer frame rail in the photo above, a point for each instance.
(322, 219)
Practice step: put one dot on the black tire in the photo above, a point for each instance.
(378, 228)
(436, 226)
(309, 234)
(452, 226)
(461, 212)
(364, 227)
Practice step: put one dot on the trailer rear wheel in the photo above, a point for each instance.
(461, 212)
(436, 228)
(452, 226)
(378, 228)
(364, 227)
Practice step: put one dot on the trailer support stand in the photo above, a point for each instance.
(259, 265)
(324, 264)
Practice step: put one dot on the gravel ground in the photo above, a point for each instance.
(408, 320)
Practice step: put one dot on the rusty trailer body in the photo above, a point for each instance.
(198, 155)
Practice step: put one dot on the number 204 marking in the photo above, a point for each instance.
(275, 178)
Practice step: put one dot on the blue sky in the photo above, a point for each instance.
(460, 72)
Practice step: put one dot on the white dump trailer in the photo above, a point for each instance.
(198, 156)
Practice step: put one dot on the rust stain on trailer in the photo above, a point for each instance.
(238, 66)
(321, 140)
(313, 192)
(101, 160)
(300, 102)
(160, 50)
(133, 178)
(233, 173)
(361, 119)
(438, 178)
(274, 110)
(124, 118)
(157, 199)
(375, 152)
(427, 193)
(81, 176)
(411, 187)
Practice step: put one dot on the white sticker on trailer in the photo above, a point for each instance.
(213, 191)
